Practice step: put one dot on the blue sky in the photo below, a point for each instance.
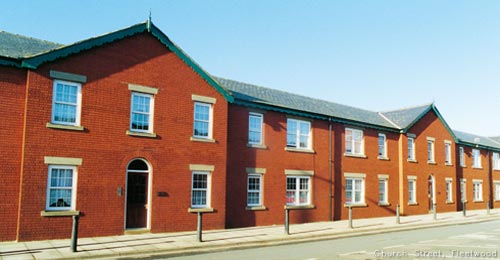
(376, 55)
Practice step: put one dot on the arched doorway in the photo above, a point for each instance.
(137, 194)
(431, 192)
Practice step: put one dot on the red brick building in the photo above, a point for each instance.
(129, 133)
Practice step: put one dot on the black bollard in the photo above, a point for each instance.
(74, 234)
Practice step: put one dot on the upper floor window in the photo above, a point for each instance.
(447, 153)
(61, 187)
(496, 161)
(202, 120)
(298, 134)
(255, 121)
(476, 158)
(462, 156)
(430, 150)
(141, 114)
(411, 149)
(66, 103)
(382, 146)
(354, 141)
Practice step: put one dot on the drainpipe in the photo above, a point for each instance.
(330, 168)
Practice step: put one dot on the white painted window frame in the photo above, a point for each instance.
(496, 161)
(385, 182)
(431, 154)
(207, 190)
(477, 190)
(476, 158)
(411, 149)
(354, 137)
(299, 133)
(259, 191)
(353, 190)
(74, 177)
(260, 118)
(382, 147)
(150, 114)
(298, 190)
(447, 153)
(78, 104)
(449, 190)
(412, 190)
(462, 156)
(209, 121)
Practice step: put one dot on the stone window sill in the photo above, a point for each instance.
(299, 150)
(203, 140)
(383, 158)
(201, 210)
(432, 162)
(355, 205)
(255, 208)
(355, 155)
(257, 146)
(66, 213)
(450, 202)
(291, 207)
(65, 127)
(139, 134)
(413, 203)
(384, 204)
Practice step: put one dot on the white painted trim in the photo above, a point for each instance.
(383, 176)
(411, 177)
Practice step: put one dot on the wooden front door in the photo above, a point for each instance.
(137, 200)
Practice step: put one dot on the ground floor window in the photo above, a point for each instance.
(254, 190)
(477, 189)
(200, 192)
(354, 190)
(463, 190)
(298, 190)
(382, 191)
(412, 191)
(497, 190)
(449, 190)
(61, 187)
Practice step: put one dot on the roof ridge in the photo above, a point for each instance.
(408, 107)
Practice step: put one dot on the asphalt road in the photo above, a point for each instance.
(470, 241)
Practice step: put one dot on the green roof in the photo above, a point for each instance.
(16, 46)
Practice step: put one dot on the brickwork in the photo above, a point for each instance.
(12, 91)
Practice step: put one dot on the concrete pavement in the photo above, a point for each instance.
(170, 244)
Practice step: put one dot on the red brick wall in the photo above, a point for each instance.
(429, 126)
(495, 177)
(275, 160)
(12, 91)
(106, 149)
